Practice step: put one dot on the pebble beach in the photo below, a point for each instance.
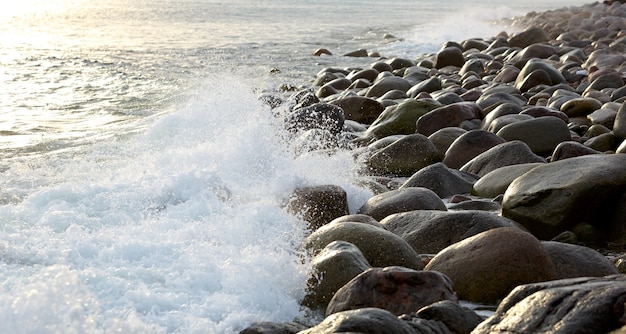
(498, 175)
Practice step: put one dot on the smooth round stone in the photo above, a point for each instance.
(381, 66)
(360, 53)
(487, 266)
(493, 100)
(545, 111)
(533, 65)
(395, 289)
(399, 119)
(332, 268)
(541, 134)
(570, 149)
(548, 200)
(596, 130)
(609, 80)
(402, 200)
(603, 116)
(322, 51)
(427, 86)
(606, 142)
(430, 231)
(444, 181)
(398, 63)
(404, 156)
(510, 153)
(497, 181)
(381, 248)
(360, 109)
(442, 139)
(541, 51)
(582, 106)
(322, 116)
(369, 320)
(578, 261)
(528, 37)
(382, 86)
(619, 126)
(451, 115)
(448, 98)
(449, 56)
(468, 146)
(472, 65)
(319, 205)
(507, 74)
(501, 110)
(537, 77)
(369, 74)
(505, 120)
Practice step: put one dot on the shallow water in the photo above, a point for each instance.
(142, 183)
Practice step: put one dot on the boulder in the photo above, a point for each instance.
(541, 134)
(575, 305)
(430, 231)
(382, 86)
(498, 180)
(273, 328)
(486, 267)
(381, 248)
(404, 156)
(578, 261)
(455, 317)
(468, 146)
(507, 154)
(317, 116)
(319, 205)
(444, 181)
(335, 265)
(364, 320)
(399, 119)
(570, 149)
(452, 115)
(443, 138)
(396, 289)
(359, 108)
(450, 56)
(527, 37)
(402, 200)
(553, 197)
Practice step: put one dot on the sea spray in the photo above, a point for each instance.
(177, 229)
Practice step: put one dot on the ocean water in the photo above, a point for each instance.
(141, 181)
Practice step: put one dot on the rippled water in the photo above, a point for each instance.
(142, 183)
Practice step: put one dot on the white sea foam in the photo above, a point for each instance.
(180, 229)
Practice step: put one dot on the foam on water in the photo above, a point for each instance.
(180, 229)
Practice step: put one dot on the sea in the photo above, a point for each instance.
(143, 183)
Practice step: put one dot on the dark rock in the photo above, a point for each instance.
(319, 205)
(360, 109)
(541, 134)
(363, 321)
(399, 119)
(317, 116)
(381, 248)
(402, 200)
(337, 264)
(530, 36)
(452, 115)
(578, 261)
(404, 156)
(442, 139)
(444, 181)
(395, 289)
(576, 305)
(274, 328)
(468, 146)
(430, 231)
(497, 181)
(457, 319)
(487, 266)
(510, 153)
(450, 56)
(548, 200)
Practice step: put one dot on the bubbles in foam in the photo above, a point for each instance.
(179, 229)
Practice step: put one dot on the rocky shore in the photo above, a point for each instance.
(498, 170)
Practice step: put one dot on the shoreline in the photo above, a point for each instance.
(492, 163)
